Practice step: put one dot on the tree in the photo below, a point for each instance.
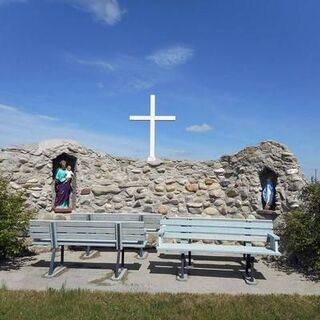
(14, 221)
(302, 231)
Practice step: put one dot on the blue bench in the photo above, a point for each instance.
(182, 235)
(58, 234)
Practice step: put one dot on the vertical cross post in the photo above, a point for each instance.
(152, 118)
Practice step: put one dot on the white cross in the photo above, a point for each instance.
(152, 118)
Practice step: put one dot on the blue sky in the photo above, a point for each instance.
(233, 72)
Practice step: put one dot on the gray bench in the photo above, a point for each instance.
(182, 235)
(117, 235)
(151, 222)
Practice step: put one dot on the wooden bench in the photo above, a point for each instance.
(117, 235)
(180, 235)
(151, 222)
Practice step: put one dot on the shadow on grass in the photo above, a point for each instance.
(232, 271)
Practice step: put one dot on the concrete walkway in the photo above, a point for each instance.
(213, 274)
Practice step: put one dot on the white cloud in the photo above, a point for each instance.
(126, 73)
(3, 2)
(96, 63)
(19, 127)
(106, 11)
(199, 128)
(123, 73)
(171, 56)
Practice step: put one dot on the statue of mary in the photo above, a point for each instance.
(62, 187)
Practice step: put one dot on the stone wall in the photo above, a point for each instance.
(230, 186)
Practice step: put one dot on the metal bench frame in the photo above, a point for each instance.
(151, 222)
(50, 235)
(187, 230)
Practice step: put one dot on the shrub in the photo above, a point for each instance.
(302, 231)
(14, 221)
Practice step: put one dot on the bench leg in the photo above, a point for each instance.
(142, 255)
(62, 256)
(88, 251)
(182, 275)
(116, 272)
(249, 276)
(189, 259)
(120, 271)
(122, 259)
(53, 256)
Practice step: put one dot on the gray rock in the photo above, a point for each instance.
(211, 211)
(216, 193)
(103, 190)
(231, 193)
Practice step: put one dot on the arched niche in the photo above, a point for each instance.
(264, 175)
(72, 161)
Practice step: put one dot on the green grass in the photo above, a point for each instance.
(87, 305)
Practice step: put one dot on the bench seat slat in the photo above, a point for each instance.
(87, 224)
(37, 229)
(40, 235)
(216, 230)
(89, 236)
(209, 248)
(229, 223)
(133, 238)
(207, 236)
(85, 243)
(39, 223)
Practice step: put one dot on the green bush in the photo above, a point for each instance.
(302, 231)
(14, 221)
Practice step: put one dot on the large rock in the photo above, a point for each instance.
(103, 190)
(194, 207)
(211, 212)
(217, 193)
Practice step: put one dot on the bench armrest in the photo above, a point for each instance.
(273, 240)
(274, 236)
(161, 232)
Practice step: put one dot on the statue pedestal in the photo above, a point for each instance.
(62, 210)
(268, 214)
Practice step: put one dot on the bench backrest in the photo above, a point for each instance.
(216, 229)
(39, 232)
(151, 220)
(88, 233)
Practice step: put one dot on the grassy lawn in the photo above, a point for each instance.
(97, 305)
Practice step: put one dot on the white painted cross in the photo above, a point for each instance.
(152, 118)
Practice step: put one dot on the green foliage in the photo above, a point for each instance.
(14, 221)
(302, 232)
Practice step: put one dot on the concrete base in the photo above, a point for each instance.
(91, 255)
(249, 282)
(184, 278)
(143, 257)
(122, 274)
(57, 272)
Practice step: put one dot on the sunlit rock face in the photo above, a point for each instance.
(228, 187)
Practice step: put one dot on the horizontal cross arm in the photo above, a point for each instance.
(140, 118)
(165, 118)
